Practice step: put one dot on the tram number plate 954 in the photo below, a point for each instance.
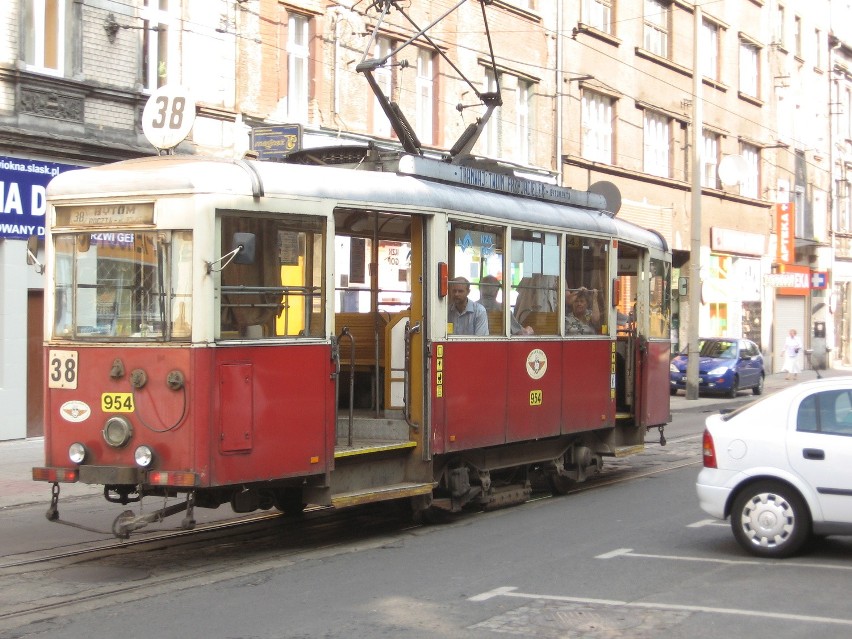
(535, 398)
(117, 402)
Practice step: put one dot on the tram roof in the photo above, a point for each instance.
(145, 177)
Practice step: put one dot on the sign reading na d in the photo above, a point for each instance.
(23, 201)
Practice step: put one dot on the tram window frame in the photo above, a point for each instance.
(281, 293)
(587, 266)
(117, 279)
(476, 251)
(535, 268)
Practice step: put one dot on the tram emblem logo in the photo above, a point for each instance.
(536, 363)
(75, 411)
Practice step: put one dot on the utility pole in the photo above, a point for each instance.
(694, 290)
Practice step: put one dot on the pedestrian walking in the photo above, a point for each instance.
(792, 348)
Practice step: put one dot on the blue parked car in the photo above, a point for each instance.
(727, 365)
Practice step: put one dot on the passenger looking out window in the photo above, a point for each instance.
(489, 289)
(582, 317)
(465, 316)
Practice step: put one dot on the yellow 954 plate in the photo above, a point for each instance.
(117, 402)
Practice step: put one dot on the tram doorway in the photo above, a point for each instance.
(378, 312)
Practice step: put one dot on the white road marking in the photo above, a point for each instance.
(511, 591)
(708, 522)
(628, 552)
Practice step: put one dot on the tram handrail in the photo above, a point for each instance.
(406, 386)
(346, 333)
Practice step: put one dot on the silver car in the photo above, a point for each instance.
(781, 467)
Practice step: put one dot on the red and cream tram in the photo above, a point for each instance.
(276, 334)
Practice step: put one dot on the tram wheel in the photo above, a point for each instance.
(560, 485)
(289, 501)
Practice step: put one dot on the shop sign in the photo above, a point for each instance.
(730, 241)
(791, 280)
(785, 221)
(23, 195)
(276, 141)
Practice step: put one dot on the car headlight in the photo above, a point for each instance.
(77, 453)
(143, 456)
(117, 431)
(719, 370)
(673, 368)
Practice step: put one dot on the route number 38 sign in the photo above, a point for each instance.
(168, 116)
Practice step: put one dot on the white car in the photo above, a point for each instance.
(781, 467)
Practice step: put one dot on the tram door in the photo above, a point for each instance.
(642, 347)
(378, 304)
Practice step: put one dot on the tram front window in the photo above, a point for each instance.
(129, 285)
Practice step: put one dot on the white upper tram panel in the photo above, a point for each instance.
(146, 178)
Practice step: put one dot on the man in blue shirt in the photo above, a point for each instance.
(466, 316)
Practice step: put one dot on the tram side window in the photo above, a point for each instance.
(280, 293)
(586, 286)
(476, 261)
(535, 281)
(660, 299)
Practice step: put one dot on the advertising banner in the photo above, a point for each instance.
(23, 185)
(785, 226)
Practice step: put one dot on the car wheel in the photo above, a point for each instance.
(673, 391)
(769, 519)
(735, 387)
(758, 390)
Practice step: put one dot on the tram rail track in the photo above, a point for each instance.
(272, 546)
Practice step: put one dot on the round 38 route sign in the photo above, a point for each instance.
(168, 116)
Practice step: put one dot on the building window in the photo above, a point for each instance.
(845, 117)
(157, 25)
(656, 38)
(383, 76)
(750, 186)
(818, 54)
(797, 36)
(657, 144)
(522, 125)
(710, 50)
(598, 14)
(491, 144)
(778, 27)
(297, 68)
(800, 210)
(710, 170)
(425, 95)
(47, 35)
(844, 208)
(749, 57)
(597, 127)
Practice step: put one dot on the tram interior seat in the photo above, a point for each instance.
(363, 328)
(542, 322)
(495, 322)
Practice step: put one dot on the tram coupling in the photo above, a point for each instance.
(128, 521)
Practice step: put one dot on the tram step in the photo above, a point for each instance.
(626, 451)
(366, 447)
(372, 428)
(383, 493)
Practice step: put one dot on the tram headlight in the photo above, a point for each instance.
(144, 456)
(77, 453)
(117, 431)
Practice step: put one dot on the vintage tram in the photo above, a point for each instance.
(276, 333)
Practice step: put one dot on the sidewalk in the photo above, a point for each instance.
(19, 456)
(17, 487)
